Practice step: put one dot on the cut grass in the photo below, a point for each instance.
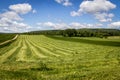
(39, 57)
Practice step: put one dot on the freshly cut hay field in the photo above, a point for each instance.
(39, 57)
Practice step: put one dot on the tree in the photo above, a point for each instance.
(70, 32)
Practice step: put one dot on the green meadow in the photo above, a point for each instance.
(40, 57)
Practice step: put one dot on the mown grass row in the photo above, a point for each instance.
(38, 57)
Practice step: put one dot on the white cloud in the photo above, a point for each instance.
(104, 17)
(64, 2)
(11, 21)
(13, 26)
(4, 22)
(75, 25)
(34, 11)
(98, 8)
(53, 25)
(74, 13)
(11, 15)
(50, 24)
(19, 27)
(21, 8)
(115, 25)
(67, 3)
(59, 1)
(95, 6)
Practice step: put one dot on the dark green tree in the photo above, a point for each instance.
(70, 32)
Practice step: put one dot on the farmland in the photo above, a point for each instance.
(40, 57)
(5, 37)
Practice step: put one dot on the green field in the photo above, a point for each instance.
(5, 37)
(40, 57)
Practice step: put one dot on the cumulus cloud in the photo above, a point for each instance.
(75, 25)
(64, 2)
(21, 8)
(11, 21)
(98, 8)
(95, 6)
(11, 15)
(13, 26)
(53, 25)
(104, 17)
(115, 25)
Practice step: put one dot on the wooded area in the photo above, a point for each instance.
(79, 32)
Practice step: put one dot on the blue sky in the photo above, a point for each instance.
(27, 15)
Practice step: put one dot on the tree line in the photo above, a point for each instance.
(102, 33)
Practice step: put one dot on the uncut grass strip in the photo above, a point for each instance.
(88, 41)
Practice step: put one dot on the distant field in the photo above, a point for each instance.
(39, 57)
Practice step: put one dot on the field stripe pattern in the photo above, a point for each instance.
(42, 57)
(30, 50)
